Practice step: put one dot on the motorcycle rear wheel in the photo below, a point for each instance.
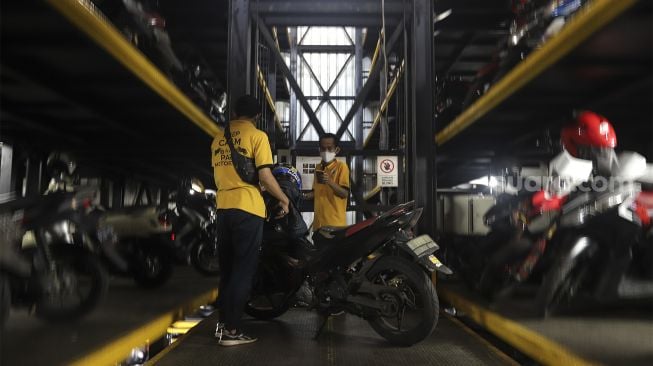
(399, 273)
(74, 268)
(268, 298)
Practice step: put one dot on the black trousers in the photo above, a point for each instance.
(240, 236)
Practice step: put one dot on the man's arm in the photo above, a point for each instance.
(341, 192)
(270, 184)
(340, 186)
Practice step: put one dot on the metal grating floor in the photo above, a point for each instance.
(346, 340)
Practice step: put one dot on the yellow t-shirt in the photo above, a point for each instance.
(232, 191)
(331, 210)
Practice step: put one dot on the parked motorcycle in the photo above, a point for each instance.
(376, 269)
(143, 249)
(533, 23)
(140, 245)
(58, 280)
(608, 244)
(194, 222)
(142, 23)
(522, 230)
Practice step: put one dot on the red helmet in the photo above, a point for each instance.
(590, 130)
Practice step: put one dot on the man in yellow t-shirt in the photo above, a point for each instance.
(241, 212)
(330, 187)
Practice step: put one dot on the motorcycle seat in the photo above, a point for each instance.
(329, 234)
(331, 231)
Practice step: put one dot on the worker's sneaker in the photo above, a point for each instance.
(219, 328)
(235, 339)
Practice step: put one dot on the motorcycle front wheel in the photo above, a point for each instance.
(559, 286)
(414, 314)
(205, 259)
(75, 287)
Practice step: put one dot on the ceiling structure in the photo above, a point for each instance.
(61, 91)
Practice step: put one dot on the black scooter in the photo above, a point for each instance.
(194, 223)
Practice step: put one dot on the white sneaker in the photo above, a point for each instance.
(219, 328)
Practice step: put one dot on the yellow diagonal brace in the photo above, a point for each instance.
(384, 105)
(268, 97)
(84, 15)
(585, 22)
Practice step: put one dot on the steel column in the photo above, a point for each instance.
(118, 194)
(292, 38)
(6, 159)
(239, 51)
(358, 126)
(105, 192)
(421, 128)
(32, 183)
(272, 88)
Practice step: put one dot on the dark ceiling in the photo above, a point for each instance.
(59, 90)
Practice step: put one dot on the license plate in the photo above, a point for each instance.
(422, 245)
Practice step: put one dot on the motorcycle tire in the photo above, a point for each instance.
(266, 314)
(562, 279)
(421, 285)
(264, 283)
(495, 283)
(152, 265)
(5, 299)
(73, 266)
(204, 261)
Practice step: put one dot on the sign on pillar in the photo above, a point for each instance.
(387, 171)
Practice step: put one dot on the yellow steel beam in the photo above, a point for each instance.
(177, 331)
(185, 324)
(534, 345)
(118, 350)
(377, 50)
(268, 96)
(590, 18)
(84, 15)
(276, 38)
(384, 105)
(371, 193)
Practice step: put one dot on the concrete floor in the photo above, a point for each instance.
(346, 340)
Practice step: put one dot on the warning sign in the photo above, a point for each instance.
(386, 171)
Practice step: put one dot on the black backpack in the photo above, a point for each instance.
(245, 167)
